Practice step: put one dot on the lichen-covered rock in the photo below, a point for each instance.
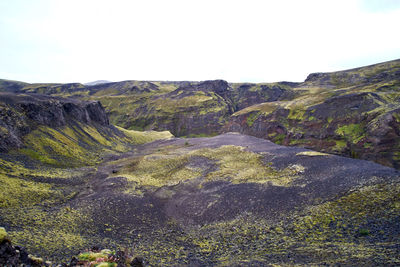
(105, 258)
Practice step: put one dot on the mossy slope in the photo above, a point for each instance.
(353, 113)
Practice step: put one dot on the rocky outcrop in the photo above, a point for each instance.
(248, 94)
(191, 123)
(20, 114)
(16, 255)
(219, 87)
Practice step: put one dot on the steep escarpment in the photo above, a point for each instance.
(60, 132)
(353, 113)
(21, 114)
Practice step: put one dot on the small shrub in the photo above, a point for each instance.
(363, 232)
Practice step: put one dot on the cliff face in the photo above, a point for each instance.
(21, 114)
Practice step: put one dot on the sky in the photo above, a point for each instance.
(238, 41)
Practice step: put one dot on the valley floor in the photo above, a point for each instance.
(228, 200)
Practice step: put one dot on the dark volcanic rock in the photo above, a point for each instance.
(219, 87)
(17, 256)
(96, 113)
(20, 114)
(8, 254)
(250, 94)
(354, 104)
(137, 262)
(11, 86)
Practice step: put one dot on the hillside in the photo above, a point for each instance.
(354, 113)
(183, 108)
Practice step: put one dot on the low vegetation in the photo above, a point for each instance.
(113, 196)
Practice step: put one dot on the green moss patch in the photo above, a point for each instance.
(3, 234)
(140, 137)
(159, 170)
(311, 153)
(81, 145)
(17, 192)
(251, 118)
(233, 163)
(53, 233)
(352, 132)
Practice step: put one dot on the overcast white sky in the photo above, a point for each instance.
(249, 40)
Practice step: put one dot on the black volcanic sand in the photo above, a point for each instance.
(329, 214)
(170, 213)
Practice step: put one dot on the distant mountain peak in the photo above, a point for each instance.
(97, 82)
